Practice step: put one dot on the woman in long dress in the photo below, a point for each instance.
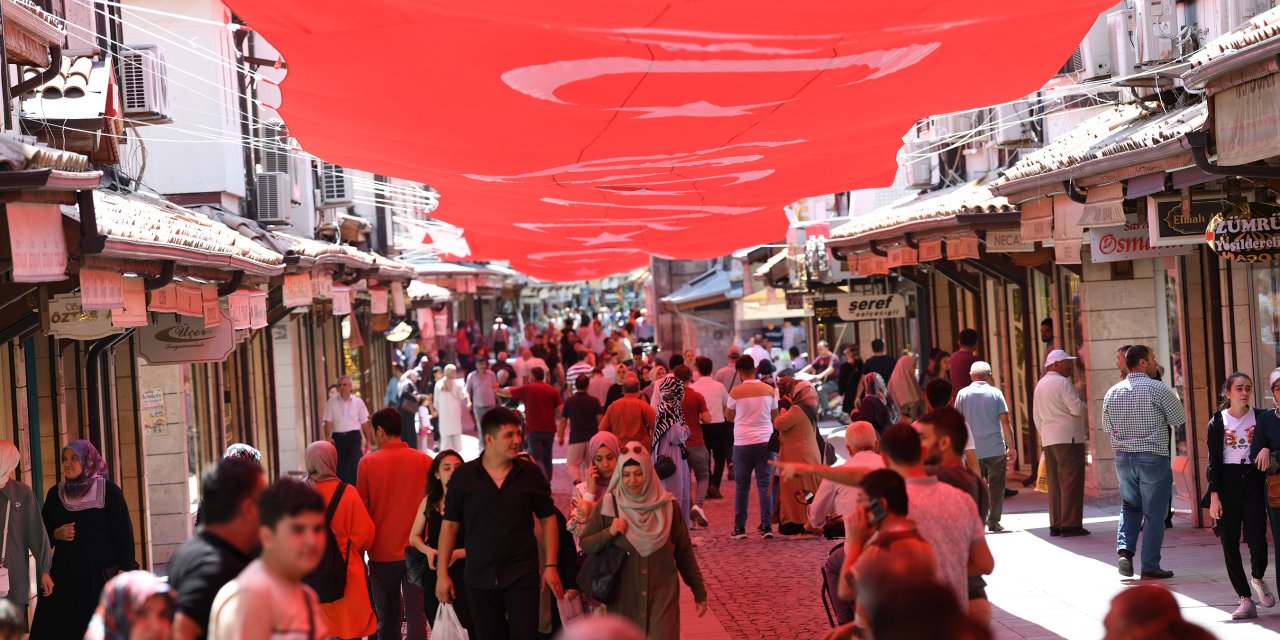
(92, 542)
(451, 403)
(350, 616)
(798, 442)
(669, 435)
(904, 391)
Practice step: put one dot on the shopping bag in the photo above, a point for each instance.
(1042, 477)
(446, 626)
(569, 609)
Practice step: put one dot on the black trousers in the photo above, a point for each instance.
(499, 614)
(719, 439)
(348, 445)
(1242, 491)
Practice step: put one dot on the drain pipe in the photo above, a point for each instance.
(1199, 143)
(95, 387)
(51, 72)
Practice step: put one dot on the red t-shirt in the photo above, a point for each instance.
(540, 401)
(693, 405)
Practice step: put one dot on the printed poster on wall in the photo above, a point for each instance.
(154, 420)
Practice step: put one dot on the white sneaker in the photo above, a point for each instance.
(698, 517)
(1245, 610)
(1264, 593)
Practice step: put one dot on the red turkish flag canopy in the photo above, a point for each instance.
(577, 138)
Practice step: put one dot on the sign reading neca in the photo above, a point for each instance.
(1247, 232)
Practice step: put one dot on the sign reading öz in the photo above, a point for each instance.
(1247, 232)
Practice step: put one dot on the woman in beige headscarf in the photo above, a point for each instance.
(904, 391)
(641, 517)
(350, 616)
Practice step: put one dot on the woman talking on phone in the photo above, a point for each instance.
(602, 453)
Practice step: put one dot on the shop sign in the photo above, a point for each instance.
(870, 264)
(177, 340)
(258, 309)
(877, 307)
(442, 324)
(795, 300)
(902, 256)
(134, 313)
(962, 247)
(190, 300)
(1037, 220)
(1104, 206)
(1008, 241)
(825, 311)
(65, 317)
(164, 299)
(930, 250)
(211, 307)
(1066, 251)
(341, 300)
(322, 286)
(38, 247)
(1130, 242)
(1246, 121)
(1170, 223)
(238, 309)
(296, 291)
(1066, 219)
(397, 298)
(101, 289)
(377, 301)
(1248, 232)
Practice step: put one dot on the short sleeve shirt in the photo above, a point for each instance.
(259, 605)
(693, 405)
(982, 406)
(1237, 435)
(1138, 413)
(540, 401)
(948, 520)
(582, 409)
(346, 415)
(501, 547)
(753, 403)
(200, 567)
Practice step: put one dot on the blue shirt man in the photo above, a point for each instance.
(987, 415)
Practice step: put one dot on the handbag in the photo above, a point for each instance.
(664, 466)
(1273, 491)
(598, 576)
(415, 565)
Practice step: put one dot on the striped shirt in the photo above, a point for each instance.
(580, 368)
(1138, 413)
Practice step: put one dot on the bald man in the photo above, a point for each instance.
(631, 417)
(835, 499)
(1139, 607)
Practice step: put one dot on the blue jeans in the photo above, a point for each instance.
(746, 459)
(540, 443)
(1146, 484)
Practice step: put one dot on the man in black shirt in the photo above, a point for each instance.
(879, 362)
(225, 544)
(492, 499)
(581, 414)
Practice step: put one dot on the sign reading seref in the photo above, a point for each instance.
(1248, 232)
(177, 340)
(877, 307)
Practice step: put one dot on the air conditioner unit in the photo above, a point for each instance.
(1094, 52)
(1155, 30)
(1014, 125)
(1221, 17)
(919, 164)
(335, 186)
(1123, 50)
(271, 198)
(275, 148)
(144, 86)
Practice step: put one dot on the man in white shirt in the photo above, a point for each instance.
(1059, 415)
(346, 420)
(527, 363)
(594, 337)
(757, 351)
(727, 375)
(268, 598)
(753, 406)
(718, 434)
(836, 499)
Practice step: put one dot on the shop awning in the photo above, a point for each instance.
(1252, 42)
(709, 288)
(140, 228)
(420, 291)
(962, 204)
(773, 261)
(1122, 137)
(767, 304)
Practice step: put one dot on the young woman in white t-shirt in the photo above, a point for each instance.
(1237, 494)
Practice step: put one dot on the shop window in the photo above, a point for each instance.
(1266, 309)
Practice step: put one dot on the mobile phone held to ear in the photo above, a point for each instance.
(875, 513)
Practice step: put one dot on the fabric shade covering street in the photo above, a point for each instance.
(577, 139)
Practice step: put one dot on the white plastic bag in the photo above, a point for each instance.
(446, 626)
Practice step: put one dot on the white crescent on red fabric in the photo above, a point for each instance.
(576, 138)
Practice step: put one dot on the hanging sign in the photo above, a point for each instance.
(1008, 241)
(341, 300)
(1066, 251)
(377, 301)
(426, 323)
(178, 340)
(164, 299)
(1104, 206)
(65, 317)
(442, 324)
(875, 307)
(134, 313)
(212, 310)
(1066, 218)
(101, 289)
(930, 250)
(322, 286)
(1037, 220)
(190, 300)
(902, 256)
(258, 309)
(870, 264)
(962, 247)
(355, 337)
(1172, 223)
(1130, 242)
(1245, 121)
(397, 299)
(1248, 232)
(36, 242)
(238, 309)
(297, 290)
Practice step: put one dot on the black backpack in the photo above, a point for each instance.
(330, 577)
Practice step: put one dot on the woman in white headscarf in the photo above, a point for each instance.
(451, 402)
(639, 516)
(26, 533)
(904, 391)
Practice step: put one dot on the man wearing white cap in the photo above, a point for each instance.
(1059, 415)
(987, 414)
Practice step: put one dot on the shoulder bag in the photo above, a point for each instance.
(599, 575)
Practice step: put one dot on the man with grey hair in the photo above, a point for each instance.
(346, 422)
(836, 499)
(987, 415)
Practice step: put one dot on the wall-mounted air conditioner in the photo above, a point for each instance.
(1014, 126)
(271, 198)
(1094, 52)
(335, 186)
(1155, 31)
(144, 86)
(1123, 50)
(919, 164)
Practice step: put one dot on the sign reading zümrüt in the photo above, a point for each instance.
(1247, 232)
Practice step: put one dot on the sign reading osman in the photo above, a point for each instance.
(176, 340)
(1247, 232)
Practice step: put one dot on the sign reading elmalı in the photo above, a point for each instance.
(1248, 232)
